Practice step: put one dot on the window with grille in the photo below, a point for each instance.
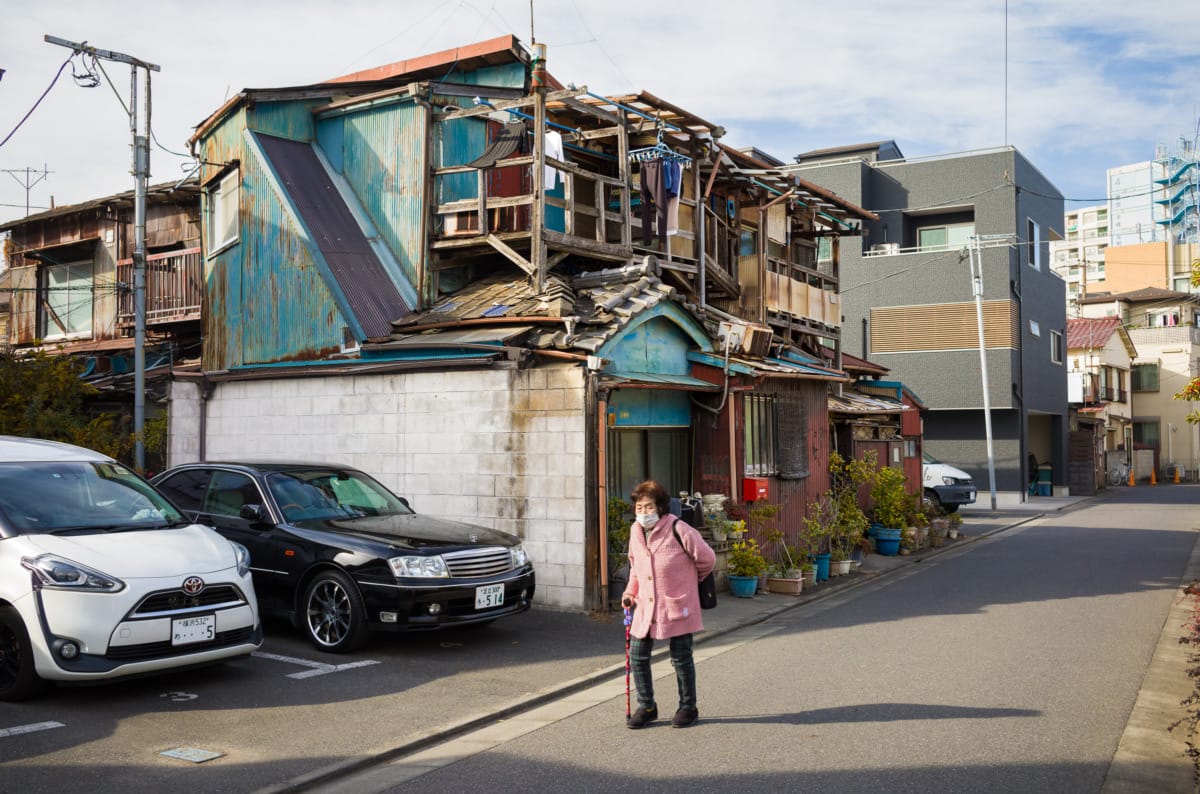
(760, 435)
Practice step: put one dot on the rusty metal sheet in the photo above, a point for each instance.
(360, 276)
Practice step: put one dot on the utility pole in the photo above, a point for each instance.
(29, 181)
(139, 129)
(975, 255)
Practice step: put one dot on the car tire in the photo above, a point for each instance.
(929, 498)
(333, 613)
(18, 678)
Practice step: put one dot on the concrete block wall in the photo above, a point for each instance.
(500, 448)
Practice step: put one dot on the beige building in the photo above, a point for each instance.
(1134, 267)
(1164, 326)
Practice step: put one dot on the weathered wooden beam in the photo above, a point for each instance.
(511, 255)
(514, 104)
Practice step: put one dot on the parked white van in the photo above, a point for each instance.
(101, 577)
(944, 485)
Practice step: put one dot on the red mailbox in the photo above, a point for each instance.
(754, 489)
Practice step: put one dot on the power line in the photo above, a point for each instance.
(24, 118)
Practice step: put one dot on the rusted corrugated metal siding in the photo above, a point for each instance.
(290, 119)
(220, 148)
(383, 152)
(794, 496)
(283, 309)
(711, 472)
(364, 283)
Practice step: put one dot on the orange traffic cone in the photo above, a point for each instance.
(1132, 481)
(1177, 475)
(1153, 479)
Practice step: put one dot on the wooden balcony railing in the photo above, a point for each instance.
(174, 287)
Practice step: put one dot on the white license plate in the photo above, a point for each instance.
(489, 595)
(197, 629)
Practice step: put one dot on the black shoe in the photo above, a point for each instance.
(685, 717)
(642, 717)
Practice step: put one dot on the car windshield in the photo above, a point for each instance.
(79, 496)
(927, 458)
(324, 494)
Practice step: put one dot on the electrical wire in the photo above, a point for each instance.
(153, 137)
(39, 100)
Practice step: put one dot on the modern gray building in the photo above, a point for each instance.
(908, 301)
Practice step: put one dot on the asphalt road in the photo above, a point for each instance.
(1010, 665)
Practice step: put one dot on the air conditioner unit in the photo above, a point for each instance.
(731, 334)
(757, 341)
(885, 249)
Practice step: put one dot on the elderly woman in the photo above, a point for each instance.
(667, 560)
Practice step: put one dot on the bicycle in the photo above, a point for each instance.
(1119, 474)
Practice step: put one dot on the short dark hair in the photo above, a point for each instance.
(652, 490)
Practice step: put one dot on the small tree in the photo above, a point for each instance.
(42, 396)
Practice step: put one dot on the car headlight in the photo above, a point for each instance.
(50, 570)
(243, 558)
(520, 557)
(433, 567)
(949, 481)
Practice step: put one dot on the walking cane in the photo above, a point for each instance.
(628, 620)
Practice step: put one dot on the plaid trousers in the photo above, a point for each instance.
(681, 659)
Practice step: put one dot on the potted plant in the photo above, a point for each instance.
(891, 508)
(955, 522)
(849, 524)
(746, 564)
(783, 575)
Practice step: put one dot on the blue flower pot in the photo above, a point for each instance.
(822, 561)
(742, 586)
(887, 541)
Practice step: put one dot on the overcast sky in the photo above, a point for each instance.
(1087, 84)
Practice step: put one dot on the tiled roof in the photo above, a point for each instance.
(593, 306)
(1139, 296)
(1088, 332)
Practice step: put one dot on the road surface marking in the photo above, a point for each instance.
(31, 728)
(318, 668)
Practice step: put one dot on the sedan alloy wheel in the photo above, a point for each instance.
(333, 613)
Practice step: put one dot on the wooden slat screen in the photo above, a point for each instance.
(943, 326)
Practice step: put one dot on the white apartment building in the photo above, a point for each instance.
(1078, 258)
(1156, 200)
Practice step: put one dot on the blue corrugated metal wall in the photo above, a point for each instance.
(286, 310)
(382, 151)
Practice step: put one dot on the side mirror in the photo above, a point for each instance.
(404, 501)
(251, 512)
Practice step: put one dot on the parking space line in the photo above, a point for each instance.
(31, 728)
(317, 668)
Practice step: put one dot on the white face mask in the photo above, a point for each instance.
(647, 519)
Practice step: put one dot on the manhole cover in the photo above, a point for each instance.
(193, 754)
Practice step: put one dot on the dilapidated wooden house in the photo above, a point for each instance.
(512, 299)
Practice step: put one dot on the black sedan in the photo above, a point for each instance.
(340, 555)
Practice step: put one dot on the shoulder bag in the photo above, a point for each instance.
(708, 585)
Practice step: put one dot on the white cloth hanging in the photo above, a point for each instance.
(553, 148)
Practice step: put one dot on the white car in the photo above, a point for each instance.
(101, 577)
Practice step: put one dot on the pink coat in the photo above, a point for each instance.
(663, 579)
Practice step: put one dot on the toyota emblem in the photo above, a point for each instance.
(474, 538)
(193, 585)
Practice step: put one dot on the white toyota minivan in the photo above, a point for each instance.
(101, 577)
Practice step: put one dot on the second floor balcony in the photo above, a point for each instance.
(174, 288)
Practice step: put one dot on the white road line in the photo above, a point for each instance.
(31, 728)
(318, 668)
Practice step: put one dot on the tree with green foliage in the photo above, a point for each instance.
(42, 396)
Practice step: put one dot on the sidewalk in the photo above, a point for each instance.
(1148, 757)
